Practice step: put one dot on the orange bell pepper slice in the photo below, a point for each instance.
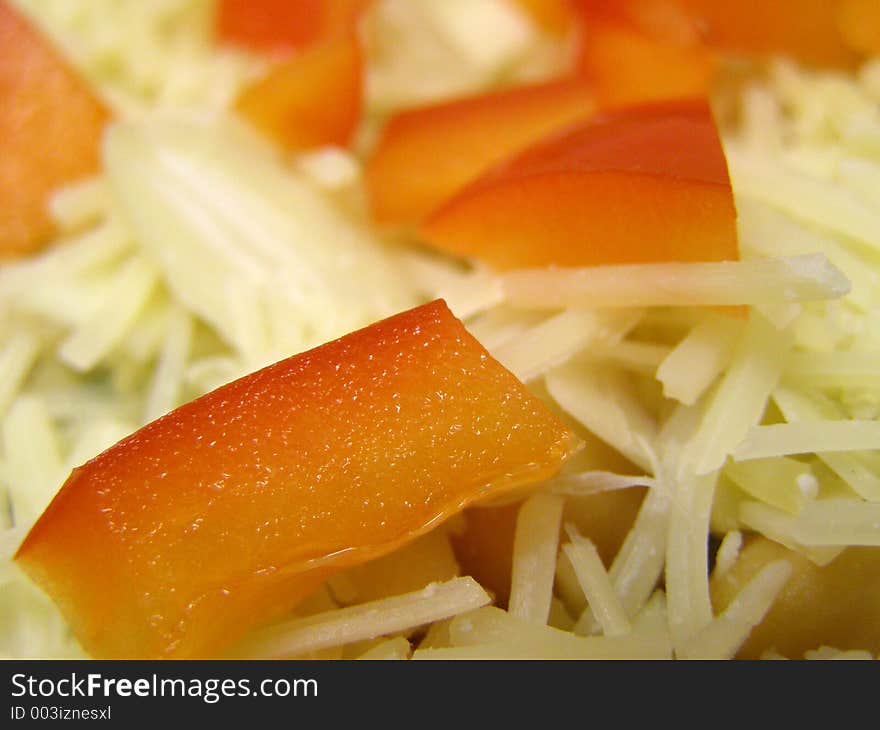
(859, 25)
(282, 26)
(425, 155)
(228, 510)
(669, 19)
(50, 131)
(635, 185)
(311, 99)
(833, 605)
(484, 546)
(807, 30)
(834, 33)
(555, 17)
(640, 51)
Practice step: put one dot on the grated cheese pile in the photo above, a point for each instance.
(201, 254)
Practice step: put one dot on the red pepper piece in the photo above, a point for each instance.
(50, 131)
(639, 184)
(230, 509)
(311, 99)
(426, 155)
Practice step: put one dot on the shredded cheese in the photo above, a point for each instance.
(721, 638)
(534, 557)
(366, 621)
(754, 281)
(595, 583)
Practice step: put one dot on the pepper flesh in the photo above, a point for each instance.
(807, 30)
(832, 33)
(50, 131)
(835, 605)
(228, 510)
(859, 24)
(426, 155)
(311, 99)
(484, 546)
(639, 184)
(640, 50)
(555, 17)
(281, 26)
